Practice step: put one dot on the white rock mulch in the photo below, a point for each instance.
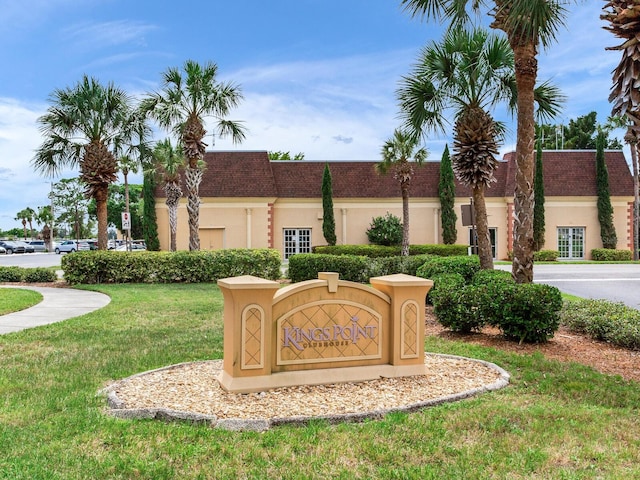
(191, 392)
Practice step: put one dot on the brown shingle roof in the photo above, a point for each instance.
(573, 173)
(251, 174)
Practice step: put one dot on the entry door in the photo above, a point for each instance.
(473, 241)
(296, 240)
(571, 243)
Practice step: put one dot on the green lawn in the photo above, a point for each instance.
(555, 420)
(16, 299)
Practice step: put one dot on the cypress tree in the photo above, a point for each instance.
(328, 220)
(149, 222)
(538, 206)
(605, 210)
(447, 194)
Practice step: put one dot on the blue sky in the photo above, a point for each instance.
(318, 76)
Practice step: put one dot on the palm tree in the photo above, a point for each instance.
(624, 20)
(527, 24)
(45, 217)
(469, 72)
(89, 125)
(182, 105)
(397, 154)
(168, 162)
(26, 215)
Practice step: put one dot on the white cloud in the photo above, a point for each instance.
(89, 35)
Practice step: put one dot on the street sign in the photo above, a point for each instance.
(126, 221)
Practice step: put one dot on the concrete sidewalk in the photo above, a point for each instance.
(57, 304)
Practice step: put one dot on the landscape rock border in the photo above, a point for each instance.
(490, 377)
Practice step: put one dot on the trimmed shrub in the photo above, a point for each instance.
(603, 320)
(530, 312)
(456, 306)
(10, 274)
(546, 256)
(385, 230)
(376, 251)
(489, 277)
(305, 266)
(169, 267)
(466, 266)
(610, 255)
(447, 281)
(391, 265)
(39, 275)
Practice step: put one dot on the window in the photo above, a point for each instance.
(571, 243)
(296, 240)
(493, 233)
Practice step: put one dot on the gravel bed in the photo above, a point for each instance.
(191, 392)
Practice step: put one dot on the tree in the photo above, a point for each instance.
(26, 216)
(447, 194)
(527, 25)
(579, 134)
(605, 210)
(71, 206)
(45, 217)
(149, 219)
(469, 72)
(182, 106)
(398, 154)
(89, 125)
(285, 156)
(328, 219)
(538, 206)
(168, 162)
(624, 23)
(117, 203)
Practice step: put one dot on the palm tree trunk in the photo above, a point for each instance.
(173, 193)
(101, 196)
(482, 228)
(523, 245)
(405, 219)
(193, 177)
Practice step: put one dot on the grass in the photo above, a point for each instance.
(16, 299)
(556, 420)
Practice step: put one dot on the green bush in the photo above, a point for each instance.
(376, 251)
(603, 320)
(529, 312)
(456, 306)
(466, 266)
(610, 255)
(385, 230)
(447, 281)
(10, 274)
(168, 267)
(546, 256)
(487, 277)
(305, 266)
(391, 265)
(39, 275)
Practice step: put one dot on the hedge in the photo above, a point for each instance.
(610, 255)
(466, 266)
(169, 267)
(374, 251)
(29, 275)
(354, 268)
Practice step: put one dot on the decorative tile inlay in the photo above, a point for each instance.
(253, 337)
(409, 330)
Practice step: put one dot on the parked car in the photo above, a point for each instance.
(3, 250)
(93, 244)
(38, 245)
(28, 248)
(12, 247)
(69, 246)
(135, 246)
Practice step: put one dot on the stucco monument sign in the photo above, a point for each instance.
(321, 331)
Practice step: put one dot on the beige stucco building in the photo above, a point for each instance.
(248, 201)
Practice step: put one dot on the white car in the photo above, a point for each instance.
(69, 246)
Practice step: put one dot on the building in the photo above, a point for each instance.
(248, 201)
